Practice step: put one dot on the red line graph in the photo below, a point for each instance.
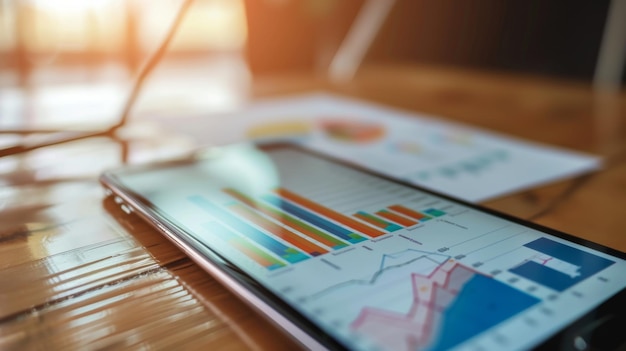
(432, 294)
(546, 260)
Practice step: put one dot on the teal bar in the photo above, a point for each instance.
(435, 212)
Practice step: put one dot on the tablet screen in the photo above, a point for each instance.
(378, 264)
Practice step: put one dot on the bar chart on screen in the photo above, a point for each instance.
(389, 266)
(280, 227)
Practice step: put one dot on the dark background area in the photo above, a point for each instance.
(544, 37)
(553, 38)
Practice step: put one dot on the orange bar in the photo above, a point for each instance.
(288, 221)
(347, 221)
(370, 220)
(253, 255)
(283, 233)
(396, 218)
(407, 211)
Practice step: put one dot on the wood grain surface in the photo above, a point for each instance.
(78, 273)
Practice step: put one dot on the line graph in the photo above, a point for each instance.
(388, 263)
(442, 303)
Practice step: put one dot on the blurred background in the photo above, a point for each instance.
(70, 62)
(224, 44)
(117, 34)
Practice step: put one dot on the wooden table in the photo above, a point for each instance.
(77, 273)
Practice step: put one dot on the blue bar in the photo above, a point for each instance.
(587, 261)
(312, 218)
(589, 264)
(545, 276)
(288, 253)
(220, 230)
(227, 234)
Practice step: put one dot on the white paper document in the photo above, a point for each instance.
(451, 158)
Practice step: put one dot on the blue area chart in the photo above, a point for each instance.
(483, 301)
(558, 266)
(443, 303)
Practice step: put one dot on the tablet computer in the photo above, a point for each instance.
(343, 258)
